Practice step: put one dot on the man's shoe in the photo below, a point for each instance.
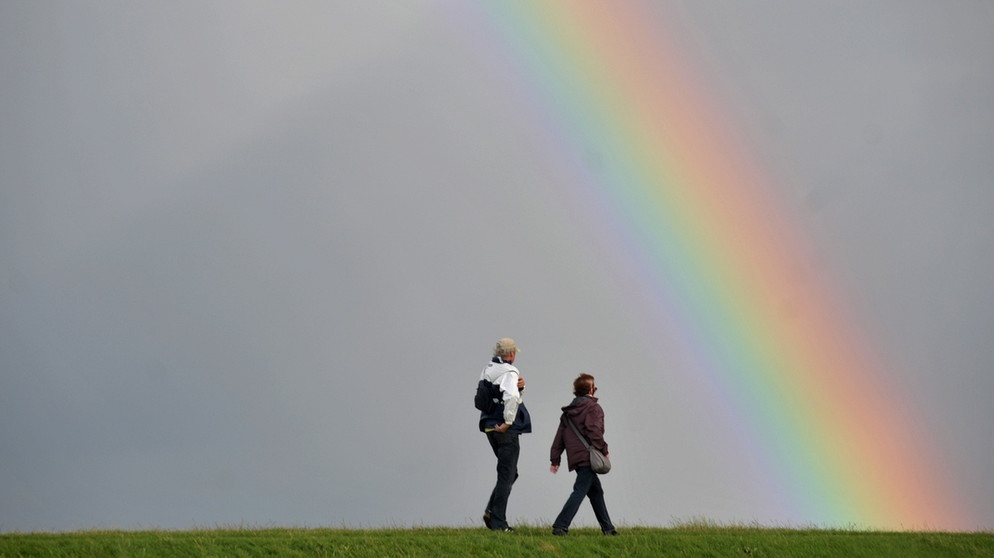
(611, 533)
(560, 532)
(486, 520)
(506, 530)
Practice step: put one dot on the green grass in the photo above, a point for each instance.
(687, 540)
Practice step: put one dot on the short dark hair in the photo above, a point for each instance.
(583, 384)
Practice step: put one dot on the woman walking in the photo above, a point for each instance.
(588, 417)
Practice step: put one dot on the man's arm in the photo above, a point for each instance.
(512, 398)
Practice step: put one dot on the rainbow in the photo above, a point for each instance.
(723, 263)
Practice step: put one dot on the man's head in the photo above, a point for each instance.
(506, 349)
(584, 385)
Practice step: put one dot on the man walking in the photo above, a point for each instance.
(503, 426)
(588, 416)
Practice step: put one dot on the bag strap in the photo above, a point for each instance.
(586, 444)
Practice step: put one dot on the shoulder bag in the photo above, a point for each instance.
(599, 462)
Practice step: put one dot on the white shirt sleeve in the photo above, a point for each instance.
(512, 397)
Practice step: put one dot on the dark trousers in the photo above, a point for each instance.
(505, 446)
(587, 485)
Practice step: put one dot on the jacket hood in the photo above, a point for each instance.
(578, 406)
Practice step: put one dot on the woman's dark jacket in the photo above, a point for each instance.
(588, 416)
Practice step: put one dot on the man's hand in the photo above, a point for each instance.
(502, 427)
(554, 469)
(521, 383)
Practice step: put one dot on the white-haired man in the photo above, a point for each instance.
(503, 425)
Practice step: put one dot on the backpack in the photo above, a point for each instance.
(487, 396)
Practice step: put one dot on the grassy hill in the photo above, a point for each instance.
(526, 541)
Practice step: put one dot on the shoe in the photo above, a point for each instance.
(486, 520)
(611, 533)
(506, 530)
(560, 532)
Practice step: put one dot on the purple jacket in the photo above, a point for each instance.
(588, 416)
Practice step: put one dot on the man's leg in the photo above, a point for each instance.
(487, 518)
(507, 451)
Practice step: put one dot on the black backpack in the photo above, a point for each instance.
(487, 396)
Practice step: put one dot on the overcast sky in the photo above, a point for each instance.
(253, 256)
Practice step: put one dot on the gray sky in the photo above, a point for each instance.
(254, 255)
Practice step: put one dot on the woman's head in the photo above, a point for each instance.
(584, 385)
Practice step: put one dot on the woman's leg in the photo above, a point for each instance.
(584, 478)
